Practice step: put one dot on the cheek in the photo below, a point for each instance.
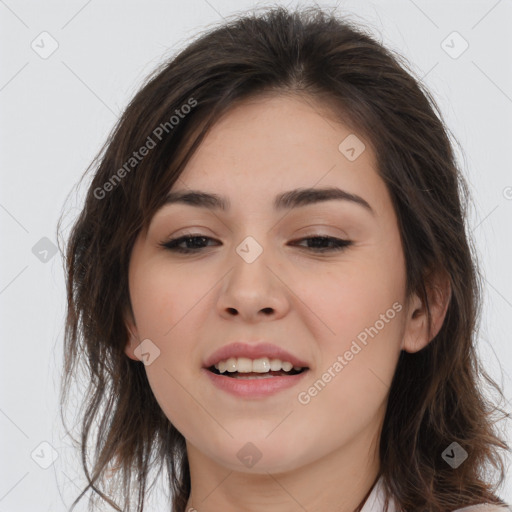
(161, 296)
(360, 305)
(166, 304)
(349, 389)
(346, 300)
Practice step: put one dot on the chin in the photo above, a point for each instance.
(261, 456)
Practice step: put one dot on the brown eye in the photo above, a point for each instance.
(321, 243)
(193, 242)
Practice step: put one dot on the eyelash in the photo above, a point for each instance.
(172, 245)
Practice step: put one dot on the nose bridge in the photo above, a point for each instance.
(249, 249)
(251, 260)
(251, 286)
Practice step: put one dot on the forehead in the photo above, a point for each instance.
(268, 144)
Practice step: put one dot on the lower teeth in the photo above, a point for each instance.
(245, 377)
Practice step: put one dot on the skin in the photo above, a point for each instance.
(322, 455)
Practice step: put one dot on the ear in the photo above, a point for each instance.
(418, 333)
(133, 336)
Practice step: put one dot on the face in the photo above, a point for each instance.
(323, 280)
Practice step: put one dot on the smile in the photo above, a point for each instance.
(260, 368)
(254, 385)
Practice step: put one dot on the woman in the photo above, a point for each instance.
(272, 287)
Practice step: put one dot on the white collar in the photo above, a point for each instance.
(376, 499)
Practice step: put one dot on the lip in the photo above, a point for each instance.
(254, 388)
(253, 351)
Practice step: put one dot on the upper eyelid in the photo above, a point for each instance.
(298, 237)
(318, 216)
(317, 227)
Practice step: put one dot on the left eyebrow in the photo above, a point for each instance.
(287, 200)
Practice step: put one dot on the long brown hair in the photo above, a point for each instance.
(436, 397)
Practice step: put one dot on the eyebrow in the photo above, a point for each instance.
(287, 200)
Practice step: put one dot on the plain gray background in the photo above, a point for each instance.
(56, 111)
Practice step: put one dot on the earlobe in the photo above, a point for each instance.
(129, 349)
(418, 332)
(132, 341)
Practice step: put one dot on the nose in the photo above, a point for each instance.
(254, 290)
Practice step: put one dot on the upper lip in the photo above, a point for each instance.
(252, 351)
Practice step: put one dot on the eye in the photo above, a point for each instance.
(319, 243)
(196, 242)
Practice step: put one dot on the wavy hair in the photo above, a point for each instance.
(436, 397)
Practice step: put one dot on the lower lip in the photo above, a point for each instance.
(254, 388)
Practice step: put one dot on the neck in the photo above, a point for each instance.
(340, 481)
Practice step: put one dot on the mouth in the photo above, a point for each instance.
(256, 375)
(254, 385)
(254, 371)
(263, 368)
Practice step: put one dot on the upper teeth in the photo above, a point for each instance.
(261, 365)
